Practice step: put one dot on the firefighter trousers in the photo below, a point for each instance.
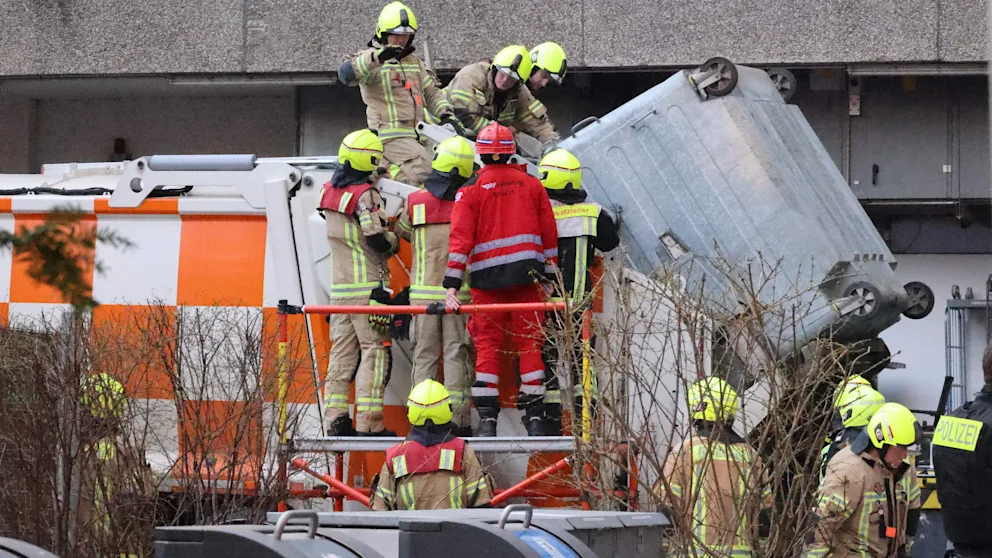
(407, 160)
(430, 334)
(361, 354)
(525, 332)
(564, 367)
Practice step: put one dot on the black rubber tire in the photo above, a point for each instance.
(870, 293)
(728, 76)
(926, 302)
(785, 81)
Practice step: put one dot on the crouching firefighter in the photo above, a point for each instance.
(361, 245)
(583, 227)
(715, 483)
(865, 507)
(432, 469)
(426, 223)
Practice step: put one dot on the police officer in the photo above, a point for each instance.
(426, 223)
(962, 459)
(432, 469)
(714, 479)
(865, 507)
(397, 88)
(583, 227)
(361, 243)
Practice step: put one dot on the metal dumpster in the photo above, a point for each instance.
(13, 548)
(515, 531)
(713, 165)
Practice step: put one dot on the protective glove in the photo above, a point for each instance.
(400, 327)
(455, 123)
(389, 52)
(407, 51)
(379, 322)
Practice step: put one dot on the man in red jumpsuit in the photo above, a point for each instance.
(503, 231)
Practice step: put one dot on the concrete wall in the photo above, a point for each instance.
(46, 37)
(16, 129)
(79, 130)
(920, 343)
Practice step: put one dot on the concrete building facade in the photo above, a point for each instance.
(896, 90)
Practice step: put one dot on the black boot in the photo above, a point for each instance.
(341, 426)
(487, 421)
(552, 415)
(535, 420)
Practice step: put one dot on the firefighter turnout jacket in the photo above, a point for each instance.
(477, 102)
(583, 227)
(431, 471)
(426, 223)
(503, 229)
(361, 242)
(395, 93)
(716, 491)
(864, 509)
(962, 459)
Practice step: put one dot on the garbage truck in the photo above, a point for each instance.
(710, 161)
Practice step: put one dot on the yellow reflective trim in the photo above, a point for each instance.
(399, 466)
(408, 498)
(419, 214)
(448, 459)
(718, 452)
(343, 204)
(957, 433)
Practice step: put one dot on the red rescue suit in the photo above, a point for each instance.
(503, 230)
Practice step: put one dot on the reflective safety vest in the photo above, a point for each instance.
(428, 222)
(343, 200)
(411, 458)
(425, 208)
(576, 225)
(962, 451)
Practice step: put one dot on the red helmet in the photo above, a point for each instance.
(494, 138)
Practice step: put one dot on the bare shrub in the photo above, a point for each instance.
(197, 442)
(659, 336)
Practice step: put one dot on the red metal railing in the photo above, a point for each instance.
(339, 490)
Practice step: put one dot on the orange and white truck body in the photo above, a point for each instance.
(243, 235)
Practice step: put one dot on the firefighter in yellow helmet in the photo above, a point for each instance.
(112, 476)
(713, 483)
(855, 406)
(397, 88)
(433, 468)
(583, 227)
(486, 91)
(361, 244)
(426, 223)
(550, 65)
(865, 507)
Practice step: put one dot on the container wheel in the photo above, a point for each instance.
(923, 299)
(869, 293)
(727, 76)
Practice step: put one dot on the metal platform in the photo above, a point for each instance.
(507, 444)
